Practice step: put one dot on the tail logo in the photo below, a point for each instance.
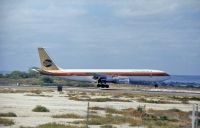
(47, 63)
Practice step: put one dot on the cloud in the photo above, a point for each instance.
(159, 34)
(134, 8)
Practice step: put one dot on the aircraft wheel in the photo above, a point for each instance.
(98, 85)
(107, 86)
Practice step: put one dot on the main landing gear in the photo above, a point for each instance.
(102, 83)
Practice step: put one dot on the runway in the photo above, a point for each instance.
(115, 90)
(144, 91)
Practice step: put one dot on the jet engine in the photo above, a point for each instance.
(121, 80)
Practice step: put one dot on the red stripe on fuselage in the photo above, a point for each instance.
(104, 73)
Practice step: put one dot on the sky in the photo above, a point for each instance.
(102, 34)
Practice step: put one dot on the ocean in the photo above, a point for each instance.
(184, 79)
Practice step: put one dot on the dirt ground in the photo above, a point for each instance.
(59, 103)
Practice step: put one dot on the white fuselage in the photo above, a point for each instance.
(145, 75)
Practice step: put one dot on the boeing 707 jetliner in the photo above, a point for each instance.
(101, 76)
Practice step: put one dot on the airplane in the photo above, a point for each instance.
(100, 76)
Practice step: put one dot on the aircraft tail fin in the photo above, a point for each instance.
(46, 62)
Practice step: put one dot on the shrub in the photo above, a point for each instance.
(40, 108)
(141, 108)
(175, 110)
(97, 108)
(9, 114)
(163, 118)
(113, 111)
(55, 125)
(25, 127)
(6, 122)
(47, 80)
(71, 115)
(36, 91)
(109, 119)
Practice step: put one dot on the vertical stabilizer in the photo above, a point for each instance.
(46, 62)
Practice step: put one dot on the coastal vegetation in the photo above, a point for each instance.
(6, 122)
(31, 77)
(9, 114)
(55, 125)
(150, 118)
(69, 115)
(40, 108)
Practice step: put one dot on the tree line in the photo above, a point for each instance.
(35, 78)
(25, 75)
